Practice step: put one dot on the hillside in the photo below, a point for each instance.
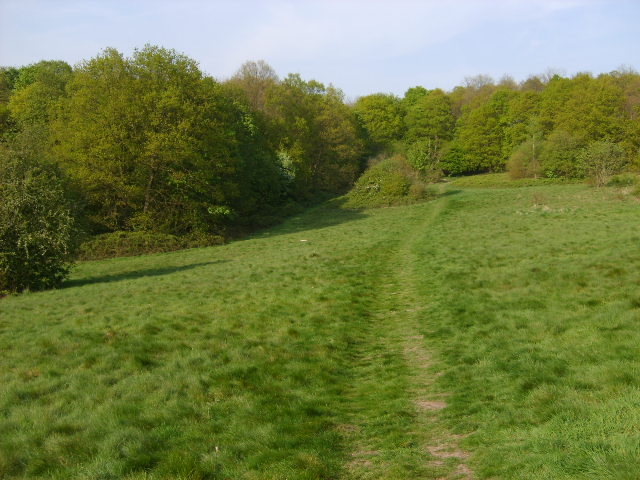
(491, 330)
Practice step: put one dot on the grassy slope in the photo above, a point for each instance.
(534, 306)
(502, 180)
(280, 358)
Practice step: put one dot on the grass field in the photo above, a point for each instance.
(492, 330)
(502, 180)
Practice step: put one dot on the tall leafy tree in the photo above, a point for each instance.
(480, 135)
(475, 91)
(430, 117)
(559, 156)
(413, 95)
(594, 109)
(153, 144)
(7, 80)
(318, 141)
(255, 78)
(520, 120)
(381, 115)
(36, 90)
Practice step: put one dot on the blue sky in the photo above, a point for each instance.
(360, 46)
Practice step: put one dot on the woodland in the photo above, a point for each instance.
(148, 152)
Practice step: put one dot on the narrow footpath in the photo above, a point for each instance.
(394, 428)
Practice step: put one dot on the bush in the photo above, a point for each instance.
(602, 160)
(524, 162)
(455, 160)
(624, 180)
(560, 156)
(38, 231)
(128, 244)
(388, 182)
(424, 156)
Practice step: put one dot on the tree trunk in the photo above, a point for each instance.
(147, 193)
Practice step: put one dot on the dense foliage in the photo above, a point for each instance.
(388, 181)
(151, 146)
(37, 225)
(149, 143)
(155, 145)
(540, 127)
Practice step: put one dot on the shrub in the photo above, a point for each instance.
(602, 160)
(127, 244)
(624, 180)
(38, 231)
(560, 156)
(388, 182)
(424, 156)
(524, 162)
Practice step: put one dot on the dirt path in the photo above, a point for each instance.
(441, 445)
(402, 364)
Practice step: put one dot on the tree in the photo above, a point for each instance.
(475, 92)
(255, 79)
(507, 82)
(480, 135)
(153, 144)
(520, 121)
(430, 117)
(602, 160)
(559, 155)
(478, 82)
(7, 79)
(594, 109)
(525, 160)
(36, 91)
(382, 117)
(424, 156)
(38, 232)
(317, 136)
(454, 160)
(412, 95)
(532, 84)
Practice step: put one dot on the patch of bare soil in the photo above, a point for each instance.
(446, 447)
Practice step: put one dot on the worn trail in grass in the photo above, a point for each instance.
(488, 330)
(281, 356)
(531, 301)
(393, 401)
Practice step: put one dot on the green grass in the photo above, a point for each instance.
(321, 349)
(534, 306)
(502, 180)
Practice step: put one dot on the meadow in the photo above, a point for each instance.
(488, 333)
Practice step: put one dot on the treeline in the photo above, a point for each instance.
(151, 145)
(549, 126)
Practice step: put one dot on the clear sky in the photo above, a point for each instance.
(360, 46)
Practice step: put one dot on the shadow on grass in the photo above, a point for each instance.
(449, 192)
(330, 213)
(327, 214)
(130, 275)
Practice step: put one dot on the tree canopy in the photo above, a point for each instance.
(150, 142)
